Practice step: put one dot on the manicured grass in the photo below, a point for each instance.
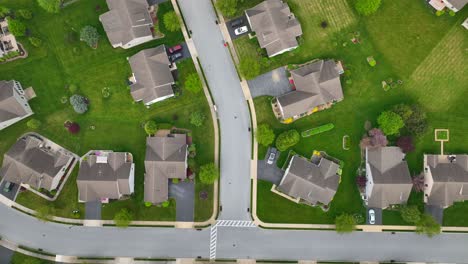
(64, 60)
(19, 258)
(456, 215)
(442, 135)
(430, 66)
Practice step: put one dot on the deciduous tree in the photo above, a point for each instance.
(197, 118)
(227, 7)
(123, 218)
(287, 139)
(151, 127)
(390, 122)
(367, 7)
(209, 173)
(411, 214)
(265, 135)
(345, 223)
(171, 21)
(51, 6)
(193, 83)
(89, 35)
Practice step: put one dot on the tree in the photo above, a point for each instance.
(209, 173)
(90, 35)
(36, 42)
(411, 214)
(16, 27)
(193, 83)
(345, 223)
(171, 21)
(33, 124)
(265, 135)
(413, 117)
(227, 7)
(79, 103)
(51, 6)
(24, 13)
(418, 182)
(197, 118)
(151, 127)
(123, 218)
(361, 181)
(405, 143)
(378, 138)
(403, 110)
(427, 225)
(367, 7)
(4, 11)
(73, 128)
(249, 67)
(390, 122)
(287, 139)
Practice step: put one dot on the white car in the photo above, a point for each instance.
(371, 216)
(271, 158)
(241, 30)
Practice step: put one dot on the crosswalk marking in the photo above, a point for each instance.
(224, 223)
(213, 240)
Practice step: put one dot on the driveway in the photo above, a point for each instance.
(231, 29)
(184, 194)
(269, 172)
(11, 194)
(5, 255)
(273, 83)
(93, 210)
(436, 212)
(378, 216)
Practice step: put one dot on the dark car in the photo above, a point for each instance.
(174, 57)
(237, 22)
(175, 49)
(8, 186)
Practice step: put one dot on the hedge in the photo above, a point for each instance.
(317, 130)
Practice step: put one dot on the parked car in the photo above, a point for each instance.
(241, 30)
(371, 216)
(174, 57)
(8, 186)
(175, 49)
(237, 22)
(271, 158)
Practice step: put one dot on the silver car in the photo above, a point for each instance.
(241, 30)
(271, 158)
(371, 216)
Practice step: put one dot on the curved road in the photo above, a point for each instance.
(232, 242)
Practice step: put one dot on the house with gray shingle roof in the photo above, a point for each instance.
(36, 161)
(152, 78)
(127, 23)
(166, 158)
(445, 179)
(455, 5)
(388, 177)
(312, 182)
(317, 85)
(13, 103)
(275, 26)
(105, 175)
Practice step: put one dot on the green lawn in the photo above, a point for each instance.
(428, 56)
(64, 60)
(19, 258)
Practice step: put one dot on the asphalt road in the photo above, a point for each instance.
(233, 112)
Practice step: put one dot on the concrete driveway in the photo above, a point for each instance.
(11, 194)
(5, 255)
(184, 194)
(231, 29)
(185, 52)
(378, 216)
(436, 212)
(269, 172)
(93, 210)
(273, 83)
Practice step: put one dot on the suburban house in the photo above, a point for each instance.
(166, 158)
(317, 87)
(105, 175)
(454, 5)
(152, 78)
(388, 177)
(445, 179)
(128, 22)
(311, 181)
(275, 26)
(7, 40)
(465, 23)
(14, 103)
(36, 161)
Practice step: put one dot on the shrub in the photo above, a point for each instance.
(413, 117)
(345, 223)
(148, 204)
(265, 135)
(123, 218)
(367, 7)
(390, 122)
(317, 130)
(249, 68)
(358, 218)
(197, 118)
(165, 204)
(427, 225)
(209, 173)
(377, 138)
(79, 103)
(33, 124)
(73, 88)
(36, 42)
(90, 35)
(287, 139)
(361, 181)
(24, 13)
(73, 128)
(4, 11)
(171, 21)
(193, 83)
(440, 12)
(452, 13)
(175, 181)
(17, 27)
(227, 7)
(51, 6)
(411, 214)
(151, 128)
(371, 61)
(405, 143)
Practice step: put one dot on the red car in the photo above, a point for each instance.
(175, 49)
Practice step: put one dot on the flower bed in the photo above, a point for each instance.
(317, 130)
